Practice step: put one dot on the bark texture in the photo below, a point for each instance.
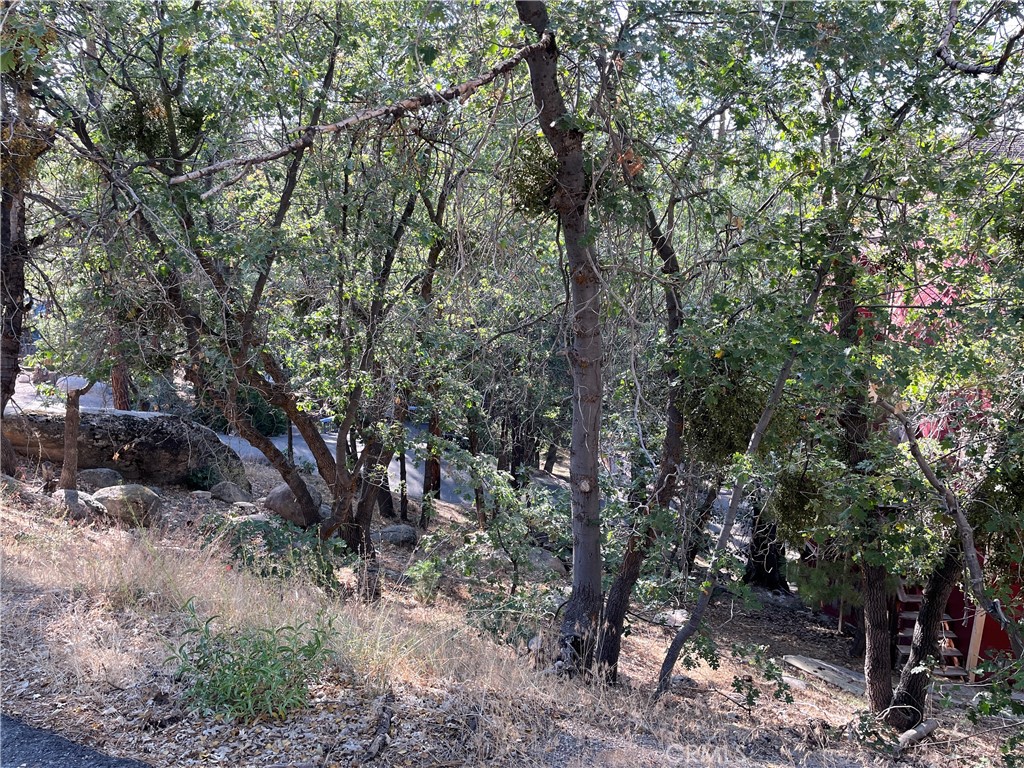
(571, 202)
(911, 696)
(877, 637)
(72, 419)
(22, 142)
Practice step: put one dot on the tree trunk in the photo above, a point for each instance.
(877, 637)
(756, 436)
(376, 459)
(13, 251)
(952, 505)
(908, 702)
(403, 503)
(72, 421)
(638, 545)
(550, 458)
(766, 556)
(120, 380)
(432, 466)
(17, 128)
(385, 501)
(571, 202)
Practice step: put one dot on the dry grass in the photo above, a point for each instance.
(90, 616)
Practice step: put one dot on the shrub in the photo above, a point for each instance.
(513, 619)
(277, 548)
(426, 577)
(203, 478)
(250, 674)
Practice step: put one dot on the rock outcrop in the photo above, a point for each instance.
(398, 535)
(158, 449)
(545, 562)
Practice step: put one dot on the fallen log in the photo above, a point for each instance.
(914, 735)
(847, 679)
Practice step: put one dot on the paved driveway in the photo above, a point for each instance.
(22, 746)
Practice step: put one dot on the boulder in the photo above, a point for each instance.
(229, 492)
(281, 501)
(546, 562)
(675, 618)
(157, 449)
(398, 535)
(100, 477)
(132, 504)
(77, 505)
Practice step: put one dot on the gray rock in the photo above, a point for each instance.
(99, 477)
(132, 504)
(77, 505)
(229, 492)
(398, 535)
(546, 562)
(201, 495)
(676, 618)
(158, 449)
(281, 501)
(684, 681)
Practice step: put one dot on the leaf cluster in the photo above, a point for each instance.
(250, 674)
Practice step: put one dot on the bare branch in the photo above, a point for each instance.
(411, 104)
(946, 55)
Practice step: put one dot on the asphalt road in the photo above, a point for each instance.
(22, 746)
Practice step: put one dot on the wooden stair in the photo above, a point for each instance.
(952, 667)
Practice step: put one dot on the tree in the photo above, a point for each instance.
(571, 200)
(23, 139)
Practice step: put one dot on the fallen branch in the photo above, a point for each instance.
(914, 735)
(381, 737)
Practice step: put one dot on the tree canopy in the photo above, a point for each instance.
(773, 247)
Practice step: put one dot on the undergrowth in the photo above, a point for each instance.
(249, 674)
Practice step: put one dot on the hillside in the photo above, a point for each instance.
(93, 614)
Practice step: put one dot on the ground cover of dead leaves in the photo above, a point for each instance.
(85, 652)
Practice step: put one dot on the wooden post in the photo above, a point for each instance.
(974, 649)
